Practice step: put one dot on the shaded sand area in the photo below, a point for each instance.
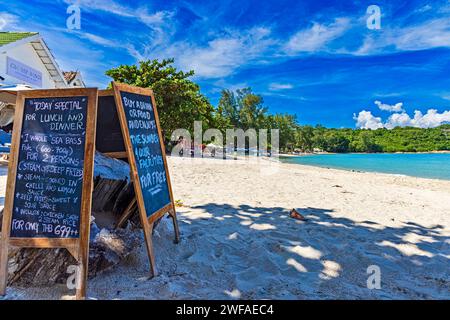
(238, 240)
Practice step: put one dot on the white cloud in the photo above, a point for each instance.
(366, 120)
(219, 57)
(432, 119)
(435, 33)
(103, 5)
(425, 8)
(7, 21)
(223, 55)
(398, 120)
(158, 18)
(317, 37)
(430, 34)
(225, 51)
(153, 20)
(275, 86)
(97, 39)
(398, 107)
(159, 24)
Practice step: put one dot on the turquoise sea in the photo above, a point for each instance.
(425, 165)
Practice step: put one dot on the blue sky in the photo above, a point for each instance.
(317, 59)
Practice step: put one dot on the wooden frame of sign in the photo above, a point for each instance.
(147, 218)
(77, 245)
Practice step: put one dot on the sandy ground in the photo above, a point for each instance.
(238, 240)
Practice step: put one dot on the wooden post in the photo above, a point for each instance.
(148, 231)
(173, 215)
(86, 197)
(127, 213)
(9, 194)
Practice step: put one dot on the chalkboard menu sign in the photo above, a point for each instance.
(147, 148)
(146, 145)
(146, 155)
(49, 178)
(50, 175)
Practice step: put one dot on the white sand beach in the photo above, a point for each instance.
(238, 241)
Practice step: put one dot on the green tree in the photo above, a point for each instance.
(362, 141)
(287, 126)
(180, 103)
(319, 140)
(305, 138)
(228, 109)
(178, 98)
(336, 141)
(242, 108)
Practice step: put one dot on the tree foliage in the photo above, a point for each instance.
(241, 109)
(178, 98)
(245, 110)
(406, 139)
(180, 103)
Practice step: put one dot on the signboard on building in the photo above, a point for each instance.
(23, 72)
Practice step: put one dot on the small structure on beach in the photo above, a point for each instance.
(26, 62)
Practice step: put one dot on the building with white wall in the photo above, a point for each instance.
(26, 62)
(25, 59)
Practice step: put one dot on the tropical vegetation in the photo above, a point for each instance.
(180, 103)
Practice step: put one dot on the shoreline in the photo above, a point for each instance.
(363, 170)
(242, 159)
(331, 153)
(367, 172)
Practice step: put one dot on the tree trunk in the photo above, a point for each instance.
(112, 194)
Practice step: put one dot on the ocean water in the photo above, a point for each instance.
(425, 165)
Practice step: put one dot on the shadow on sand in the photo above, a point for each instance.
(270, 255)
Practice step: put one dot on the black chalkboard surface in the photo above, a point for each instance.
(109, 137)
(146, 146)
(48, 194)
(49, 180)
